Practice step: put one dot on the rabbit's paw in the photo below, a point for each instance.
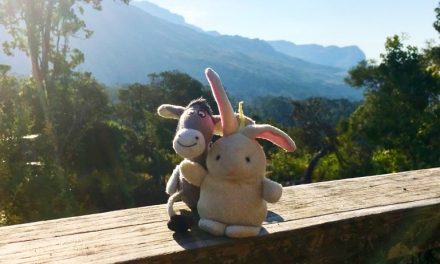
(193, 172)
(211, 226)
(272, 191)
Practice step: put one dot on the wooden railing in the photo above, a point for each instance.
(372, 219)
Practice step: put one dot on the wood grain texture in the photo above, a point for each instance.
(361, 220)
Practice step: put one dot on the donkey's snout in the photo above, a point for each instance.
(188, 137)
(189, 143)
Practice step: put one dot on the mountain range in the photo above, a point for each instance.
(130, 42)
(339, 57)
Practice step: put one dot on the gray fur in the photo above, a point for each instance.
(196, 117)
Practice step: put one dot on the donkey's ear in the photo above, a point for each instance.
(218, 123)
(273, 134)
(170, 111)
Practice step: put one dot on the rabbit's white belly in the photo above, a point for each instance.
(232, 202)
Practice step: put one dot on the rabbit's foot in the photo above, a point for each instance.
(211, 226)
(239, 231)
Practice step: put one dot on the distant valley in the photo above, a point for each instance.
(130, 42)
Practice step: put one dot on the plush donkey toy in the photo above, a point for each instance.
(195, 130)
(233, 188)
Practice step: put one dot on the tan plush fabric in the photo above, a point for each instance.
(231, 191)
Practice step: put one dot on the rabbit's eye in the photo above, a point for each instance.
(248, 160)
(217, 157)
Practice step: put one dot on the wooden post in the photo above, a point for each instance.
(372, 219)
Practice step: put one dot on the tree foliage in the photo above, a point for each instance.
(43, 29)
(113, 156)
(401, 109)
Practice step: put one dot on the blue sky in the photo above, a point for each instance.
(365, 23)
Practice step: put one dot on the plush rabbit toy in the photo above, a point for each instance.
(233, 188)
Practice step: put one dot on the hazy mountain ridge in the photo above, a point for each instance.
(129, 43)
(340, 57)
(162, 13)
(334, 56)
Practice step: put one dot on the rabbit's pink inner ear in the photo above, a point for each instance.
(281, 141)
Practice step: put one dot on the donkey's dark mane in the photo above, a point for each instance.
(201, 104)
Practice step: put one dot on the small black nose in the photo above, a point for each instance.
(197, 138)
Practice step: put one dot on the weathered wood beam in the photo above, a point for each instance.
(361, 220)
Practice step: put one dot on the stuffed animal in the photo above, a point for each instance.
(233, 186)
(195, 129)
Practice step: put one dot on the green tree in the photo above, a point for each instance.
(4, 69)
(318, 119)
(81, 103)
(42, 29)
(401, 109)
(32, 186)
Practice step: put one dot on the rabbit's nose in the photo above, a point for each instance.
(231, 173)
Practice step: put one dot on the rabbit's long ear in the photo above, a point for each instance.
(228, 120)
(273, 134)
(218, 124)
(170, 111)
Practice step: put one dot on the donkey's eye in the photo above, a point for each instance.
(191, 112)
(201, 114)
(248, 160)
(217, 157)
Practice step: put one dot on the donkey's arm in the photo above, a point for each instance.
(271, 191)
(193, 172)
(173, 182)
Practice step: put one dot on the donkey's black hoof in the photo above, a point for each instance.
(180, 223)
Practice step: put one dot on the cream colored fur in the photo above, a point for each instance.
(272, 191)
(234, 189)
